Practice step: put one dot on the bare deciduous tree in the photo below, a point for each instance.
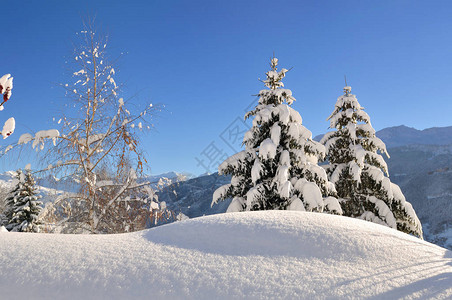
(100, 129)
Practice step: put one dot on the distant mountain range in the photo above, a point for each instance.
(403, 135)
(50, 187)
(69, 184)
(424, 173)
(193, 197)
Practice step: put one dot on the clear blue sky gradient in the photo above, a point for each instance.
(202, 60)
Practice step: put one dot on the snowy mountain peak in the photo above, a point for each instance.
(177, 176)
(404, 135)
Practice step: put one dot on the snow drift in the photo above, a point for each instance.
(269, 254)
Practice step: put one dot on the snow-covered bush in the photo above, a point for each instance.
(278, 168)
(358, 170)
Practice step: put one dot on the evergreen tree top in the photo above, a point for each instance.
(354, 134)
(347, 90)
(274, 78)
(346, 106)
(276, 95)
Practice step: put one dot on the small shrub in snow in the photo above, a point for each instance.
(278, 168)
(24, 206)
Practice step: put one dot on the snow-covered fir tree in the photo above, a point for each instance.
(10, 200)
(360, 173)
(278, 168)
(26, 207)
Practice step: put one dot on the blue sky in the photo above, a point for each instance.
(202, 60)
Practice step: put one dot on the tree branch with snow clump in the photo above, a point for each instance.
(6, 86)
(278, 168)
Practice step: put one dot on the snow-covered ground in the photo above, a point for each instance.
(271, 254)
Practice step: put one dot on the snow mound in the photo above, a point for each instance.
(270, 254)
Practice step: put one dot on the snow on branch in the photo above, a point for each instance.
(38, 139)
(6, 85)
(8, 128)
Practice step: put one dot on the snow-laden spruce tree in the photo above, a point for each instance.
(360, 173)
(10, 199)
(26, 205)
(278, 168)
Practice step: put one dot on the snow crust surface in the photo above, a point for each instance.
(268, 254)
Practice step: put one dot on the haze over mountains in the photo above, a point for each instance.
(421, 164)
(403, 135)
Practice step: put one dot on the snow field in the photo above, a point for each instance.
(268, 254)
